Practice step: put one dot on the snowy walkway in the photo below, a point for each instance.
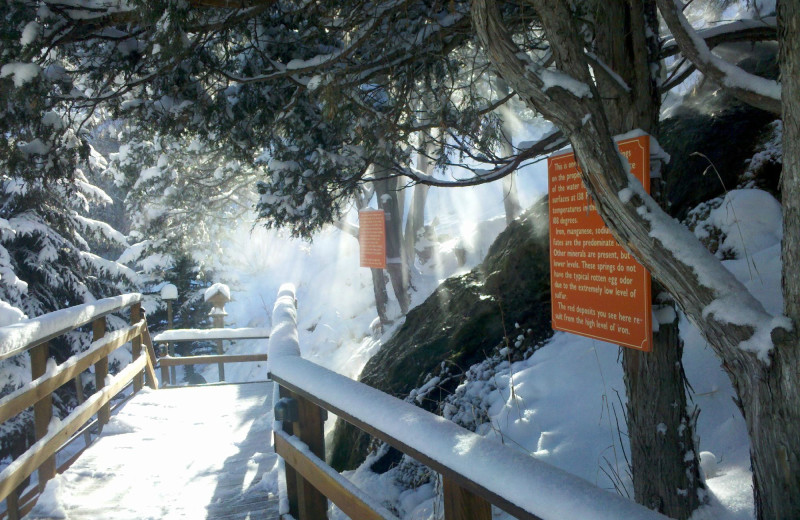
(186, 453)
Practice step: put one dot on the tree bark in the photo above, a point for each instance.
(664, 464)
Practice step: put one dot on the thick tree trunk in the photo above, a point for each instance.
(771, 393)
(789, 34)
(663, 462)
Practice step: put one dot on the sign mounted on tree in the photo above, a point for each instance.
(597, 289)
(372, 238)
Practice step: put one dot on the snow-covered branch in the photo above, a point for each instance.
(754, 90)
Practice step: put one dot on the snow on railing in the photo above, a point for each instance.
(19, 337)
(177, 335)
(476, 470)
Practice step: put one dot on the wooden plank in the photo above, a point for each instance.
(207, 360)
(136, 345)
(460, 504)
(46, 448)
(340, 490)
(101, 369)
(42, 411)
(43, 386)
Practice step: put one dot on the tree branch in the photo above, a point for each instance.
(753, 90)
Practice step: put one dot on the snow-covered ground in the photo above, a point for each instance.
(567, 403)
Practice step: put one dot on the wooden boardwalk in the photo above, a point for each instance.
(184, 453)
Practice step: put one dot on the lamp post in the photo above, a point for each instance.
(169, 293)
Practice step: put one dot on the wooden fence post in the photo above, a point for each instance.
(305, 501)
(42, 410)
(310, 430)
(101, 370)
(461, 504)
(136, 345)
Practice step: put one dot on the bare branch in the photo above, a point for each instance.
(548, 144)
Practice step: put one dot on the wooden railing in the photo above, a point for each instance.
(33, 336)
(476, 472)
(217, 334)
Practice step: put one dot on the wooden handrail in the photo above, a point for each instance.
(34, 335)
(212, 358)
(20, 337)
(28, 395)
(450, 450)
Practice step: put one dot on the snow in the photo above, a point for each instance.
(17, 337)
(217, 288)
(178, 453)
(10, 314)
(22, 73)
(169, 292)
(30, 33)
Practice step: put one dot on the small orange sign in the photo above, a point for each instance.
(372, 238)
(597, 289)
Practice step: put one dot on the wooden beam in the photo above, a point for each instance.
(409, 450)
(207, 360)
(340, 490)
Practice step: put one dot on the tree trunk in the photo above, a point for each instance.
(416, 214)
(381, 297)
(510, 197)
(396, 265)
(665, 470)
(771, 393)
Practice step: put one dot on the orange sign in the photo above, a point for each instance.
(597, 289)
(372, 238)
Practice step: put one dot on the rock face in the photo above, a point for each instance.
(711, 136)
(466, 318)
